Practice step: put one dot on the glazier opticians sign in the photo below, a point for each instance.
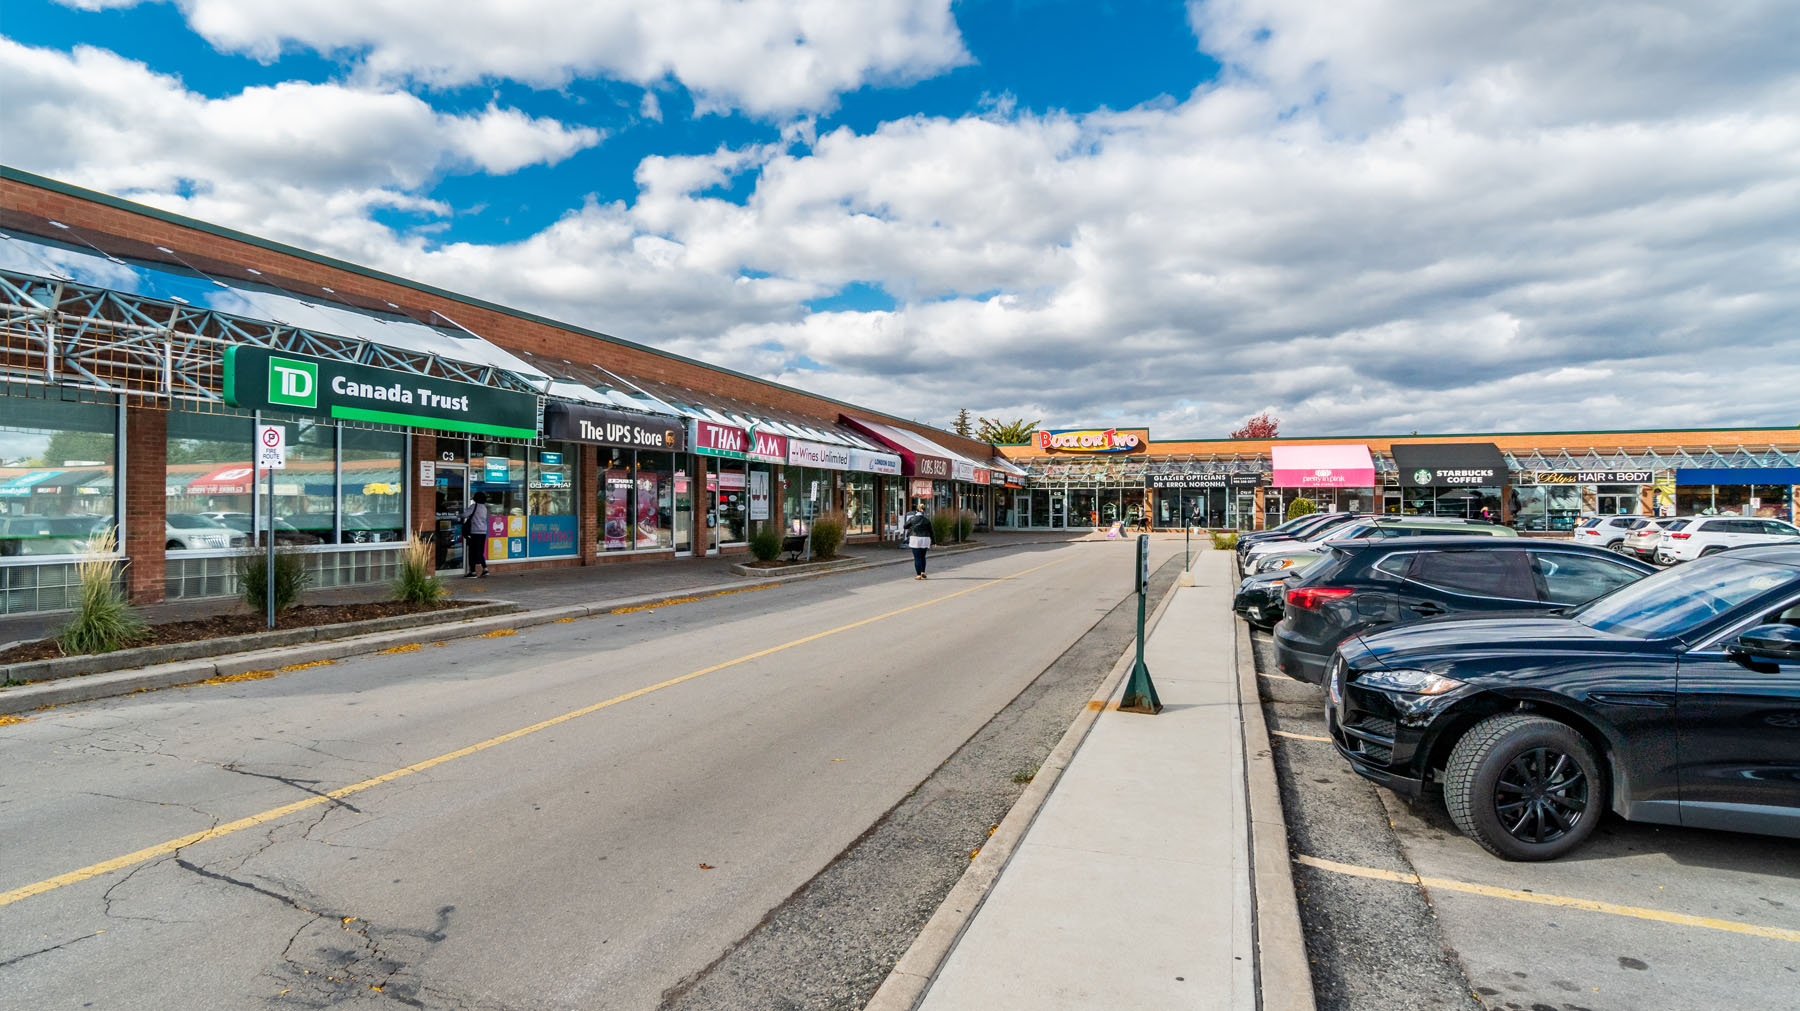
(262, 379)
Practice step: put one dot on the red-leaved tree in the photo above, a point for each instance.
(1263, 426)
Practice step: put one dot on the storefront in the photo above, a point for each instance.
(1766, 492)
(1334, 478)
(1463, 480)
(1217, 500)
(726, 498)
(815, 477)
(1550, 501)
(642, 462)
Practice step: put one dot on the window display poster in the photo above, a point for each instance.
(759, 494)
(615, 533)
(551, 535)
(646, 511)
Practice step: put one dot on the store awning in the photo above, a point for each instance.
(1347, 466)
(1449, 464)
(920, 456)
(20, 486)
(1737, 475)
(76, 482)
(225, 479)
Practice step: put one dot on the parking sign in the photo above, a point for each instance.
(271, 447)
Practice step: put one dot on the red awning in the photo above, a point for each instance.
(920, 456)
(226, 479)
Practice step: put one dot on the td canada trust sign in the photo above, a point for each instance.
(1095, 440)
(262, 379)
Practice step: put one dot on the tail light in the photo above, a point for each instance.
(1309, 597)
(1681, 537)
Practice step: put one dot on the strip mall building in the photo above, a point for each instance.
(1540, 482)
(140, 350)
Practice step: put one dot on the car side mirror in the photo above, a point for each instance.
(1769, 642)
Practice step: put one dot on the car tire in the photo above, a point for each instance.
(1620, 548)
(1532, 767)
(1715, 549)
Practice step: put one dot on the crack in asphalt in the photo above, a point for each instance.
(303, 785)
(16, 959)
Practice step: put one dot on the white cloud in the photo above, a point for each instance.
(1537, 230)
(767, 57)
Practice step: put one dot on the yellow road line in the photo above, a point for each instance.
(1300, 737)
(275, 813)
(1544, 899)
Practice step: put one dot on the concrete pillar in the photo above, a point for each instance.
(141, 529)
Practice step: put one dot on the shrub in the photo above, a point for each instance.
(103, 620)
(943, 527)
(765, 543)
(965, 525)
(417, 581)
(828, 533)
(291, 578)
(1302, 507)
(1224, 541)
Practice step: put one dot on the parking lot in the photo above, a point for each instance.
(1401, 910)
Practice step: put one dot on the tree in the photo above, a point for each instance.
(962, 426)
(1262, 426)
(1010, 433)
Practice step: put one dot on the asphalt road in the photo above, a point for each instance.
(581, 815)
(1484, 932)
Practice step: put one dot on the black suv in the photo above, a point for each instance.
(1372, 583)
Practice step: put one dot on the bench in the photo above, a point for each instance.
(792, 545)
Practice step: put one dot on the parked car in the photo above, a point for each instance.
(1709, 535)
(193, 532)
(1311, 536)
(1259, 599)
(1641, 542)
(286, 534)
(1674, 699)
(1369, 584)
(32, 534)
(1297, 528)
(1608, 531)
(1279, 558)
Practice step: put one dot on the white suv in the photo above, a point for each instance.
(1608, 531)
(1709, 535)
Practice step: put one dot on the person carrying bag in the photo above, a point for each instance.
(918, 537)
(475, 535)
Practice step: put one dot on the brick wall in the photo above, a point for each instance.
(142, 528)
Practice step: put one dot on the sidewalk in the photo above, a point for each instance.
(1132, 887)
(530, 589)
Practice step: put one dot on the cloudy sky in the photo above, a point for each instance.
(1367, 216)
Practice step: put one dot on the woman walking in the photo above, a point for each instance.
(475, 535)
(918, 537)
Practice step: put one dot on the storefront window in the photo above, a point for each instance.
(616, 481)
(209, 484)
(894, 489)
(732, 502)
(306, 490)
(552, 524)
(1768, 501)
(57, 478)
(497, 475)
(1084, 508)
(759, 496)
(372, 471)
(859, 503)
(655, 502)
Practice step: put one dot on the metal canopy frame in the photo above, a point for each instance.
(61, 334)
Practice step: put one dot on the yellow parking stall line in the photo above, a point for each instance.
(1300, 737)
(1563, 901)
(172, 845)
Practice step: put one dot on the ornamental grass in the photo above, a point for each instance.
(103, 620)
(417, 581)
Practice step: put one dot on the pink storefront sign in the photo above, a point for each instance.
(1348, 466)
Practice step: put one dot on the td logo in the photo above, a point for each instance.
(293, 384)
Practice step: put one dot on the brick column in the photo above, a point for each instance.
(424, 500)
(146, 503)
(588, 508)
(1259, 507)
(697, 526)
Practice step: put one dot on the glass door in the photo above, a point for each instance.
(1056, 510)
(684, 514)
(447, 532)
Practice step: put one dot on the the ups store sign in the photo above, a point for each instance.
(580, 423)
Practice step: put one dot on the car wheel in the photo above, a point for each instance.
(1524, 787)
(1619, 547)
(173, 546)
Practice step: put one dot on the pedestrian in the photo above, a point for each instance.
(475, 535)
(918, 537)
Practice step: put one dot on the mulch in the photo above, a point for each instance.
(221, 625)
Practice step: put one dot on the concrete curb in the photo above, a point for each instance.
(39, 694)
(911, 977)
(175, 652)
(1283, 973)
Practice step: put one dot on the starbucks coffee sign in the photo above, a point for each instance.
(263, 379)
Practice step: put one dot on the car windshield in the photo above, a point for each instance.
(1675, 601)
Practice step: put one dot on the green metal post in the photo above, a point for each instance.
(1140, 691)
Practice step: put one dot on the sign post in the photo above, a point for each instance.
(1140, 692)
(271, 456)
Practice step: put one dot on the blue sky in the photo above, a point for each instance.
(1362, 216)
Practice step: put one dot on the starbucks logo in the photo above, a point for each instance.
(1421, 476)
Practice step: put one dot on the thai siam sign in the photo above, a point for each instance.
(1094, 440)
